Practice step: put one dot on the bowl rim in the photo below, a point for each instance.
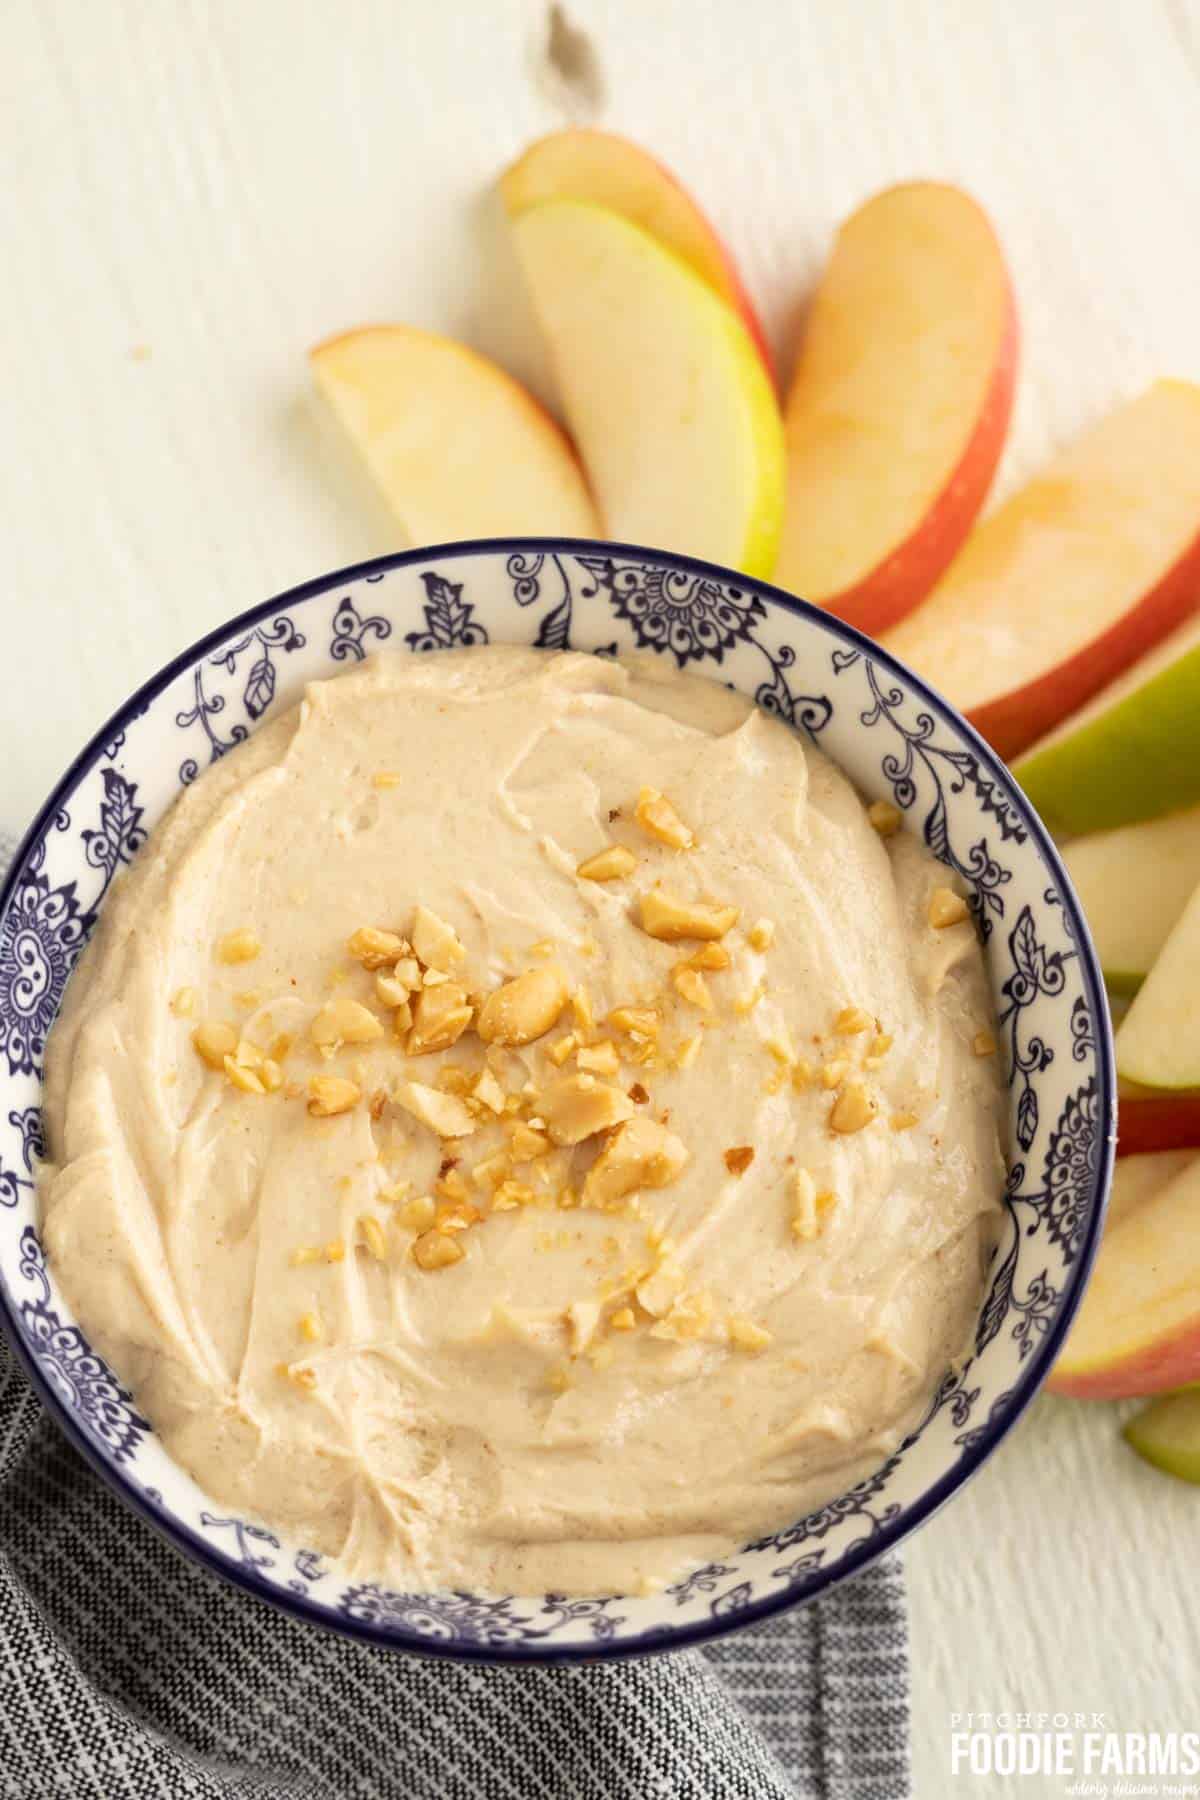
(991, 1434)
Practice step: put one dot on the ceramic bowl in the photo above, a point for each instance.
(892, 736)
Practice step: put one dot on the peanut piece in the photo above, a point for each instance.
(577, 1106)
(238, 947)
(946, 908)
(739, 1158)
(436, 943)
(524, 1009)
(691, 986)
(983, 1044)
(434, 1250)
(344, 1021)
(599, 1059)
(214, 1042)
(641, 1153)
(331, 1094)
(884, 818)
(658, 819)
(444, 1114)
(852, 1109)
(631, 1020)
(744, 1334)
(375, 949)
(418, 1213)
(671, 920)
(440, 1015)
(612, 864)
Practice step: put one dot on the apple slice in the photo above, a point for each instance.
(609, 171)
(1158, 1043)
(1079, 573)
(1137, 1178)
(1132, 753)
(1133, 883)
(1147, 1122)
(1167, 1434)
(1138, 1329)
(900, 403)
(666, 395)
(458, 447)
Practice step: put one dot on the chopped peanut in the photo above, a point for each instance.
(445, 1114)
(376, 949)
(691, 986)
(746, 1003)
(659, 1291)
(885, 818)
(436, 943)
(307, 1253)
(641, 1153)
(612, 864)
(370, 1234)
(389, 989)
(851, 1020)
(523, 1009)
(689, 1318)
(330, 1094)
(581, 1009)
(214, 1042)
(311, 1328)
(687, 1052)
(434, 1250)
(334, 1251)
(852, 1109)
(946, 908)
(983, 1044)
(658, 819)
(739, 1158)
(386, 778)
(903, 1121)
(488, 1092)
(184, 1003)
(440, 1015)
(577, 1106)
(802, 1075)
(671, 920)
(708, 957)
(834, 1073)
(623, 1319)
(561, 1048)
(629, 1020)
(418, 1213)
(492, 1170)
(344, 1021)
(242, 1077)
(526, 1144)
(600, 1059)
(744, 1334)
(804, 1197)
(238, 947)
(761, 934)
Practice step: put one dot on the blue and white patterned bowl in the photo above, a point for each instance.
(890, 734)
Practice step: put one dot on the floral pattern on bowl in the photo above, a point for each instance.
(892, 736)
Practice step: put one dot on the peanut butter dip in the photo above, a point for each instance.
(522, 1124)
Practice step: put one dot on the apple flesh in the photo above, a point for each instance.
(609, 171)
(1158, 1043)
(664, 391)
(899, 407)
(456, 446)
(1133, 884)
(1132, 753)
(1076, 576)
(1167, 1434)
(1138, 1329)
(1137, 1178)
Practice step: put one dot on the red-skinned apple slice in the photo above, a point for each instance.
(1138, 1329)
(899, 407)
(457, 447)
(1148, 1122)
(1077, 575)
(666, 396)
(609, 171)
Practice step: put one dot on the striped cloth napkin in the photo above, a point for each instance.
(127, 1670)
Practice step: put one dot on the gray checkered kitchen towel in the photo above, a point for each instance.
(126, 1670)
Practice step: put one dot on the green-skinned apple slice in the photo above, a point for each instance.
(1133, 884)
(1158, 1043)
(1167, 1434)
(1133, 753)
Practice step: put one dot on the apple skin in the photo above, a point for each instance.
(1167, 1434)
(891, 590)
(1015, 721)
(613, 172)
(1158, 1122)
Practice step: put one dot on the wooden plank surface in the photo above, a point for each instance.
(195, 192)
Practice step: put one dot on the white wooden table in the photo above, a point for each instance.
(195, 192)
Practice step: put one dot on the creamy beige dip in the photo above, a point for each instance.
(598, 1384)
